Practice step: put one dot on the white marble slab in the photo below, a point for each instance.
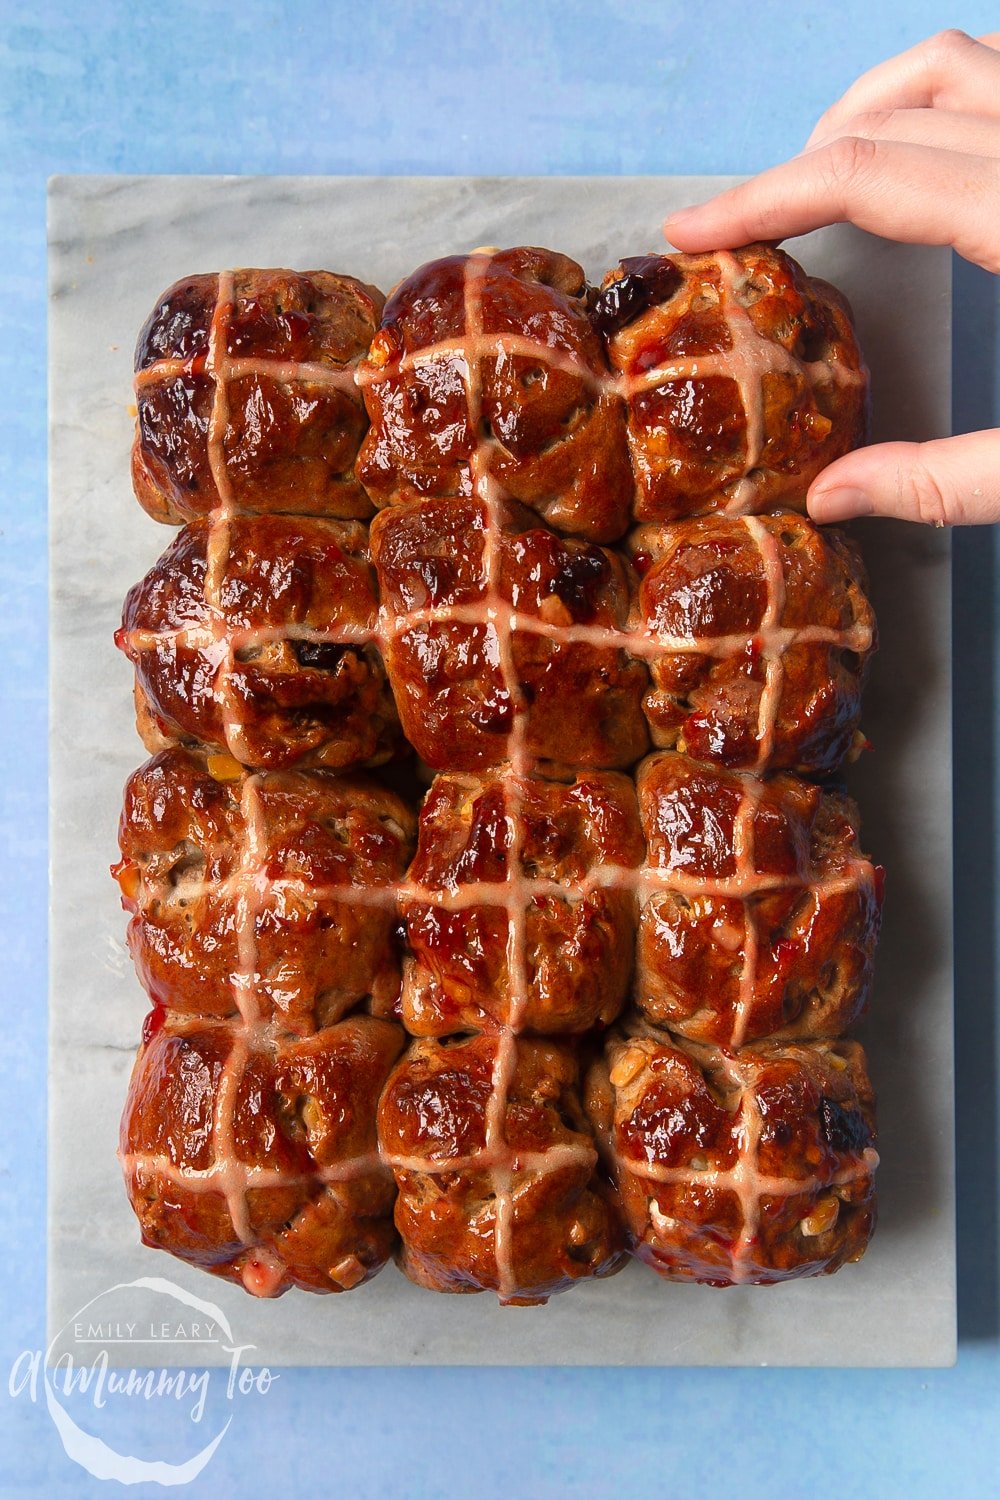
(116, 242)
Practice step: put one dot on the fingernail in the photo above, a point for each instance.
(840, 504)
(681, 215)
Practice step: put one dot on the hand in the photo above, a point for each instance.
(912, 152)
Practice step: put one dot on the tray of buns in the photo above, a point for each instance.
(496, 876)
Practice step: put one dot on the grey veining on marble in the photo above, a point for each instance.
(115, 243)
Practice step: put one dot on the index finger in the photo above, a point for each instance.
(918, 194)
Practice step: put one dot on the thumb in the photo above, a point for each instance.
(947, 482)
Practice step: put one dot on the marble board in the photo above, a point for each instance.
(115, 243)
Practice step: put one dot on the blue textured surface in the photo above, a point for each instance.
(512, 87)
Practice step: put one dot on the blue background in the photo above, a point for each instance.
(502, 87)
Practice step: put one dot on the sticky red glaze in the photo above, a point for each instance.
(688, 815)
(695, 1112)
(316, 955)
(435, 1104)
(295, 700)
(552, 436)
(810, 902)
(430, 554)
(677, 1117)
(171, 1098)
(580, 701)
(311, 317)
(289, 441)
(641, 281)
(178, 326)
(792, 1141)
(152, 1023)
(687, 432)
(705, 582)
(578, 945)
(704, 424)
(300, 1107)
(562, 1225)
